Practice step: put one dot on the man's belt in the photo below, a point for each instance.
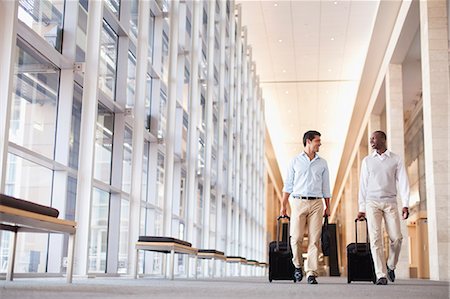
(306, 197)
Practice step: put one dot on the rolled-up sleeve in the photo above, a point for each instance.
(326, 182)
(289, 181)
(363, 180)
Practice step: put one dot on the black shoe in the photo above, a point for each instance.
(298, 275)
(382, 281)
(312, 279)
(390, 274)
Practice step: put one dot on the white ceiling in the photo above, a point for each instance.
(309, 56)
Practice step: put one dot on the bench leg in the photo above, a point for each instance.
(213, 267)
(188, 266)
(136, 266)
(195, 267)
(172, 262)
(70, 253)
(12, 256)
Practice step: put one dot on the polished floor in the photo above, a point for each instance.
(245, 287)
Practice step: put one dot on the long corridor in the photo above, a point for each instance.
(247, 287)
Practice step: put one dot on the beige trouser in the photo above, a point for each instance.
(306, 213)
(375, 212)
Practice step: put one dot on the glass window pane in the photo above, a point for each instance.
(29, 181)
(108, 61)
(99, 231)
(74, 144)
(134, 19)
(165, 57)
(145, 172)
(103, 145)
(131, 80)
(151, 33)
(148, 96)
(160, 180)
(81, 33)
(45, 18)
(114, 5)
(123, 237)
(35, 101)
(162, 115)
(127, 154)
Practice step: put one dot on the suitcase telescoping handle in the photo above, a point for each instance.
(278, 230)
(367, 230)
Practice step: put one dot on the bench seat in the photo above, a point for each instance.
(20, 217)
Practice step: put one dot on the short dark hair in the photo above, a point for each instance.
(310, 135)
(382, 134)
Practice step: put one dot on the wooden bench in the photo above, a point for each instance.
(165, 245)
(237, 260)
(20, 218)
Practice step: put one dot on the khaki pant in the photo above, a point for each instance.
(306, 213)
(375, 212)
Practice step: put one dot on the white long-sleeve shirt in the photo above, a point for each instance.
(308, 177)
(382, 176)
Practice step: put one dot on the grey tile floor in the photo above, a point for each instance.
(245, 287)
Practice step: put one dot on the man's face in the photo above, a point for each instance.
(315, 144)
(376, 141)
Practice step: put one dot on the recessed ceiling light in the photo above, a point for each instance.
(286, 92)
(332, 38)
(289, 111)
(329, 70)
(284, 71)
(275, 4)
(280, 40)
(335, 2)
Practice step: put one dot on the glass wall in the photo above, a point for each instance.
(49, 141)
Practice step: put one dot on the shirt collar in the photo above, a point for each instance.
(386, 153)
(316, 156)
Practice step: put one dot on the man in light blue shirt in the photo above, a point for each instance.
(307, 183)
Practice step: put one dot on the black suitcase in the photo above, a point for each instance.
(280, 257)
(359, 259)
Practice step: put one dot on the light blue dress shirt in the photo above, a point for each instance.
(308, 178)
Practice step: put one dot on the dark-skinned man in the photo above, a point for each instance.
(383, 174)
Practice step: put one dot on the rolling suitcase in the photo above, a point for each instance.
(359, 259)
(280, 257)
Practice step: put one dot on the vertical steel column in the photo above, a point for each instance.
(138, 132)
(87, 136)
(170, 125)
(209, 133)
(194, 109)
(238, 129)
(230, 122)
(8, 34)
(221, 103)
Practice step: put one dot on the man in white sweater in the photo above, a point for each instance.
(383, 173)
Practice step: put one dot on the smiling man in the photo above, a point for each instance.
(307, 183)
(382, 174)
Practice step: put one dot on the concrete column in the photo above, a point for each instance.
(8, 31)
(209, 130)
(435, 87)
(396, 143)
(170, 124)
(138, 132)
(87, 136)
(194, 108)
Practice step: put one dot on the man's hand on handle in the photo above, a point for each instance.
(405, 213)
(326, 212)
(361, 215)
(283, 211)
